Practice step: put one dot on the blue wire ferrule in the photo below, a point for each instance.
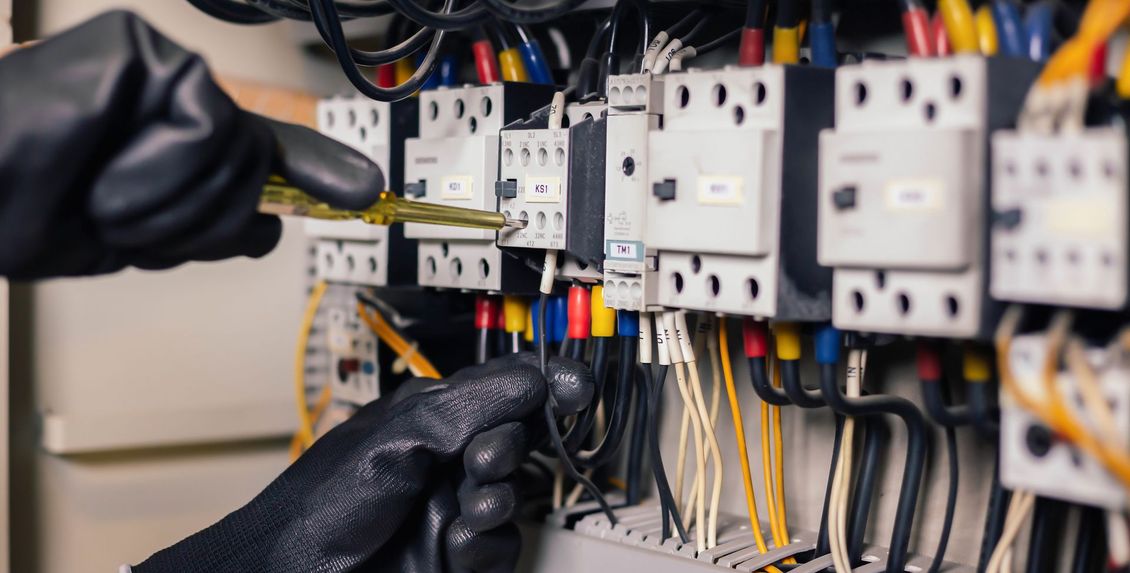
(536, 65)
(1038, 25)
(822, 38)
(559, 311)
(828, 342)
(448, 71)
(627, 323)
(1010, 30)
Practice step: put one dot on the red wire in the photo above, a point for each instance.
(486, 63)
(941, 39)
(386, 75)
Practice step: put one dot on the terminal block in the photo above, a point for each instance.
(1033, 458)
(554, 179)
(454, 162)
(635, 104)
(1060, 228)
(904, 192)
(355, 252)
(732, 191)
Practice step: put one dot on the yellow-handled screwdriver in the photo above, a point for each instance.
(280, 198)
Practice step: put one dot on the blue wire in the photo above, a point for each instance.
(1010, 30)
(432, 81)
(1038, 24)
(448, 71)
(822, 37)
(536, 65)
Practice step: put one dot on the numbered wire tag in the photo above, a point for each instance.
(543, 189)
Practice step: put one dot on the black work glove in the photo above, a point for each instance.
(118, 149)
(378, 492)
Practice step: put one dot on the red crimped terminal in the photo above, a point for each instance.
(751, 51)
(484, 312)
(486, 63)
(929, 362)
(941, 38)
(386, 75)
(755, 336)
(499, 313)
(916, 27)
(580, 309)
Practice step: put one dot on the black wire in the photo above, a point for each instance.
(939, 410)
(822, 545)
(233, 12)
(695, 16)
(755, 14)
(523, 15)
(874, 443)
(694, 31)
(796, 392)
(326, 17)
(639, 435)
(550, 412)
(1090, 544)
(620, 406)
(472, 15)
(576, 435)
(643, 19)
(788, 13)
(761, 386)
(1044, 540)
(717, 42)
(983, 409)
(821, 11)
(916, 453)
(668, 499)
(577, 350)
(951, 500)
(994, 517)
(482, 346)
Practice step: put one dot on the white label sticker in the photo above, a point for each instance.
(914, 195)
(543, 189)
(457, 187)
(624, 250)
(720, 190)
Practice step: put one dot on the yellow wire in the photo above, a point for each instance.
(986, 31)
(1050, 409)
(1123, 83)
(1073, 58)
(305, 432)
(384, 331)
(739, 434)
(767, 472)
(960, 29)
(1091, 390)
(779, 467)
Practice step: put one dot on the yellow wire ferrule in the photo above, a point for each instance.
(786, 45)
(510, 64)
(528, 332)
(962, 32)
(975, 365)
(1123, 83)
(603, 318)
(514, 313)
(404, 70)
(986, 30)
(787, 336)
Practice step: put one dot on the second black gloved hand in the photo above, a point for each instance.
(378, 492)
(118, 149)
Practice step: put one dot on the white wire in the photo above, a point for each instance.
(561, 45)
(556, 111)
(1018, 509)
(686, 53)
(710, 446)
(838, 505)
(666, 54)
(1118, 539)
(548, 271)
(652, 52)
(696, 425)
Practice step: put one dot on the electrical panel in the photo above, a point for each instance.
(554, 180)
(904, 191)
(635, 104)
(732, 179)
(355, 252)
(352, 357)
(455, 161)
(1033, 458)
(1060, 229)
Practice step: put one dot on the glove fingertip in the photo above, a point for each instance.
(326, 169)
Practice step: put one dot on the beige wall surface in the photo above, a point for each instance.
(122, 371)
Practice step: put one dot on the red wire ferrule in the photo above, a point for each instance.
(929, 362)
(751, 51)
(580, 309)
(916, 27)
(484, 312)
(941, 39)
(486, 63)
(755, 336)
(386, 75)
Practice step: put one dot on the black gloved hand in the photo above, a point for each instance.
(117, 149)
(377, 492)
